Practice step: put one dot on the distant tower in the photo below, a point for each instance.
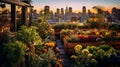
(62, 14)
(62, 11)
(66, 10)
(89, 13)
(58, 11)
(70, 9)
(84, 10)
(46, 10)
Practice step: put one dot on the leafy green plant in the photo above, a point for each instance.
(44, 29)
(73, 39)
(28, 35)
(66, 32)
(105, 47)
(5, 37)
(14, 53)
(46, 59)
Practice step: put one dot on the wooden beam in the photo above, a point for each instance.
(13, 18)
(16, 2)
(24, 15)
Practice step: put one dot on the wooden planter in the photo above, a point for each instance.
(115, 44)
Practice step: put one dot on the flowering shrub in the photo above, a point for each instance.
(82, 57)
(81, 38)
(46, 59)
(92, 56)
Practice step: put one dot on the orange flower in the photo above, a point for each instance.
(50, 44)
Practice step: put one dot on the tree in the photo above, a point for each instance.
(100, 18)
(99, 9)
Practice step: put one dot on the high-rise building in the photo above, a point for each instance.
(84, 15)
(58, 11)
(62, 11)
(66, 10)
(62, 14)
(84, 10)
(116, 13)
(46, 9)
(89, 14)
(70, 9)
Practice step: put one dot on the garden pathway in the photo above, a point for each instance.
(67, 62)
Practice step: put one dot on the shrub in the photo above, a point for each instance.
(28, 35)
(14, 53)
(45, 30)
(66, 32)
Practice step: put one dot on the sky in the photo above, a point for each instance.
(75, 4)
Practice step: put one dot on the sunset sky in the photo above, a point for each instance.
(75, 4)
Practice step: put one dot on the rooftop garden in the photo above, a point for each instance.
(94, 43)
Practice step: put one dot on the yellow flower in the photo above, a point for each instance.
(89, 55)
(85, 51)
(78, 48)
(73, 57)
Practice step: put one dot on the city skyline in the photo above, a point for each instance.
(75, 4)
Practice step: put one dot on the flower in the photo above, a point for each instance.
(50, 44)
(73, 57)
(85, 51)
(77, 48)
(97, 33)
(89, 55)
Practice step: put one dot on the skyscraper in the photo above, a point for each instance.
(84, 10)
(70, 9)
(46, 9)
(58, 11)
(84, 15)
(62, 11)
(66, 10)
(62, 14)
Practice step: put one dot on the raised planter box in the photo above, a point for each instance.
(115, 44)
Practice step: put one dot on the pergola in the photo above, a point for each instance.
(24, 4)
